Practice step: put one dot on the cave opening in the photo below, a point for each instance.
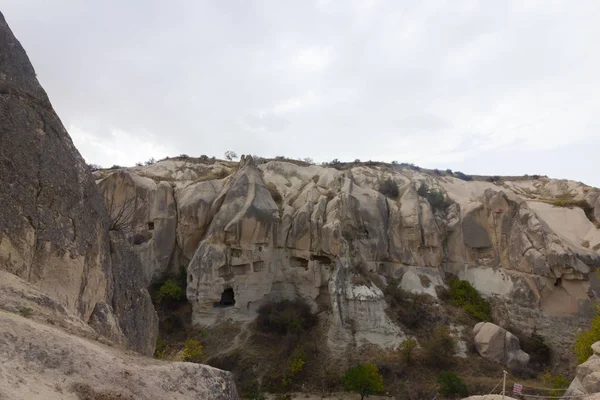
(227, 298)
(558, 282)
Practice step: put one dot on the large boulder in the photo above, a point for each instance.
(496, 344)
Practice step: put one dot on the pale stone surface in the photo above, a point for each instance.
(496, 344)
(43, 362)
(494, 236)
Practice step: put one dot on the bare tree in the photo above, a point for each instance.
(230, 155)
(121, 215)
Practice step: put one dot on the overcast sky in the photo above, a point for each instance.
(490, 87)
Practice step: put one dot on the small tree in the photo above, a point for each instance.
(169, 292)
(451, 385)
(389, 188)
(440, 347)
(406, 348)
(192, 351)
(230, 155)
(363, 379)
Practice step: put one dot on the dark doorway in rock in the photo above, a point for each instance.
(227, 298)
(558, 282)
(150, 226)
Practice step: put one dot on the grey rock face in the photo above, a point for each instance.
(282, 230)
(54, 228)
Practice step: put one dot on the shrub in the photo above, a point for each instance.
(451, 385)
(94, 167)
(585, 339)
(151, 161)
(295, 366)
(462, 176)
(537, 349)
(250, 389)
(414, 310)
(116, 167)
(449, 171)
(389, 188)
(161, 348)
(435, 198)
(192, 351)
(465, 296)
(230, 155)
(184, 156)
(363, 379)
(169, 293)
(335, 161)
(406, 348)
(557, 382)
(285, 316)
(274, 192)
(26, 312)
(440, 347)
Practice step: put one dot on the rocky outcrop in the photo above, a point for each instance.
(279, 229)
(498, 345)
(73, 295)
(587, 378)
(54, 228)
(42, 362)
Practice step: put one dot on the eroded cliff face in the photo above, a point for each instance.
(54, 228)
(250, 233)
(73, 295)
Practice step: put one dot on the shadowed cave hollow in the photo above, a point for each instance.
(227, 298)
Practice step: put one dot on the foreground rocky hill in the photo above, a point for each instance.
(337, 235)
(63, 264)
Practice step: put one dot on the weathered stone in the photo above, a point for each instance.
(496, 344)
(53, 222)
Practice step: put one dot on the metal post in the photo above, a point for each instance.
(503, 384)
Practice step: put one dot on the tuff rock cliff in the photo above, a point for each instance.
(59, 262)
(261, 230)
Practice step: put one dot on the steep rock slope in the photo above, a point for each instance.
(288, 229)
(53, 223)
(73, 294)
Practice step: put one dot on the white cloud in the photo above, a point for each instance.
(426, 82)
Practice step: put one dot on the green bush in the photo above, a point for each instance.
(285, 316)
(440, 347)
(465, 296)
(363, 379)
(192, 351)
(557, 382)
(161, 348)
(585, 339)
(436, 198)
(538, 350)
(169, 293)
(26, 312)
(451, 385)
(406, 348)
(389, 188)
(462, 176)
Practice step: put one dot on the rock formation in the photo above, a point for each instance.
(587, 379)
(61, 261)
(498, 345)
(268, 230)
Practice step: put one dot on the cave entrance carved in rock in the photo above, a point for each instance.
(227, 298)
